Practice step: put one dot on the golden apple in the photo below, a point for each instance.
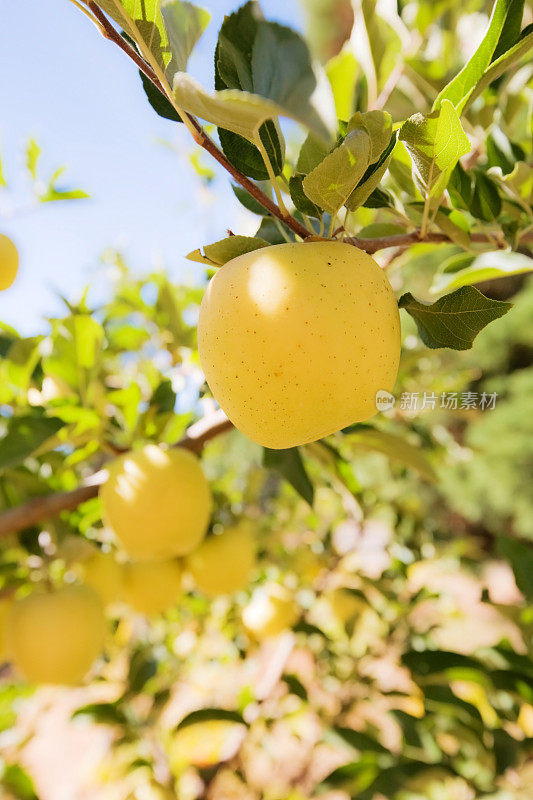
(158, 502)
(205, 744)
(271, 610)
(9, 262)
(150, 587)
(295, 340)
(54, 637)
(102, 573)
(222, 564)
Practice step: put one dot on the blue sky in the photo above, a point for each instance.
(81, 98)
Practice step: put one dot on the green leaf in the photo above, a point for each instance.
(430, 662)
(16, 781)
(332, 182)
(507, 751)
(103, 713)
(396, 447)
(159, 101)
(246, 157)
(240, 112)
(164, 397)
(312, 152)
(460, 187)
(342, 71)
(33, 152)
(353, 777)
(486, 202)
(460, 88)
(24, 436)
(501, 152)
(218, 253)
(210, 714)
(501, 65)
(295, 685)
(379, 198)
(184, 25)
(372, 177)
(520, 556)
(290, 466)
(439, 697)
(454, 320)
(454, 225)
(511, 30)
(436, 142)
(390, 781)
(3, 182)
(484, 267)
(143, 22)
(359, 741)
(141, 669)
(88, 337)
(54, 194)
(248, 201)
(233, 70)
(270, 230)
(300, 199)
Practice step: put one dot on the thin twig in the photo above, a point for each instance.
(43, 508)
(404, 240)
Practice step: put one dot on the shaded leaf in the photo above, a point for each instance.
(295, 685)
(486, 202)
(210, 714)
(248, 201)
(246, 157)
(233, 70)
(393, 446)
(312, 152)
(520, 556)
(159, 102)
(141, 669)
(454, 320)
(429, 662)
(300, 199)
(484, 267)
(24, 436)
(290, 466)
(359, 741)
(104, 713)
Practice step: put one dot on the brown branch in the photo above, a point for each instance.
(404, 240)
(49, 506)
(200, 136)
